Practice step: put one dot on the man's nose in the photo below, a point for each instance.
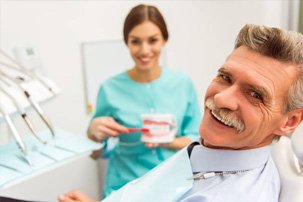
(227, 98)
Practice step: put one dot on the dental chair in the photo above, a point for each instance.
(288, 156)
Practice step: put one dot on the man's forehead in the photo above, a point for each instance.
(249, 59)
(248, 54)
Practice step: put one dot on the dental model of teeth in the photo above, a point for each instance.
(161, 128)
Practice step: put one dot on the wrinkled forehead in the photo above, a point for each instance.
(255, 69)
(249, 60)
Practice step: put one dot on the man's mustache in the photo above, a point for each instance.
(225, 116)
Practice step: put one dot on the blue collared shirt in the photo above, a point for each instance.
(256, 180)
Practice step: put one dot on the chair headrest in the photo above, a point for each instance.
(297, 144)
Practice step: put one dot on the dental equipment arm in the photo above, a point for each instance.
(36, 106)
(20, 109)
(25, 71)
(16, 135)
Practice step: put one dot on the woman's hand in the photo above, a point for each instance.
(104, 127)
(75, 196)
(151, 145)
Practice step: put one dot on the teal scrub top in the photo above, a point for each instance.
(125, 100)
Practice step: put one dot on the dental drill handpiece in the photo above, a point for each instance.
(35, 105)
(40, 112)
(16, 135)
(25, 71)
(20, 110)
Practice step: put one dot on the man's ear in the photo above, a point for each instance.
(291, 122)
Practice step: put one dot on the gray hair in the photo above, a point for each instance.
(285, 46)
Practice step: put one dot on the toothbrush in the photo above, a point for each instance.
(142, 130)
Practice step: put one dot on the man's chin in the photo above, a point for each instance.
(216, 145)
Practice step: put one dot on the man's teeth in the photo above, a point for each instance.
(225, 122)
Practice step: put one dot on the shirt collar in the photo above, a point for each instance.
(204, 159)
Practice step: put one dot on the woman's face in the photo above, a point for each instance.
(145, 42)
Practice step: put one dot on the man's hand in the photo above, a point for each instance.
(75, 196)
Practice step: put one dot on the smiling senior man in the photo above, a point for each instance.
(255, 98)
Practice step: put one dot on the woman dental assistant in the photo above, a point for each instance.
(143, 89)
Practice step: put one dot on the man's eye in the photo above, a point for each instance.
(256, 95)
(226, 78)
